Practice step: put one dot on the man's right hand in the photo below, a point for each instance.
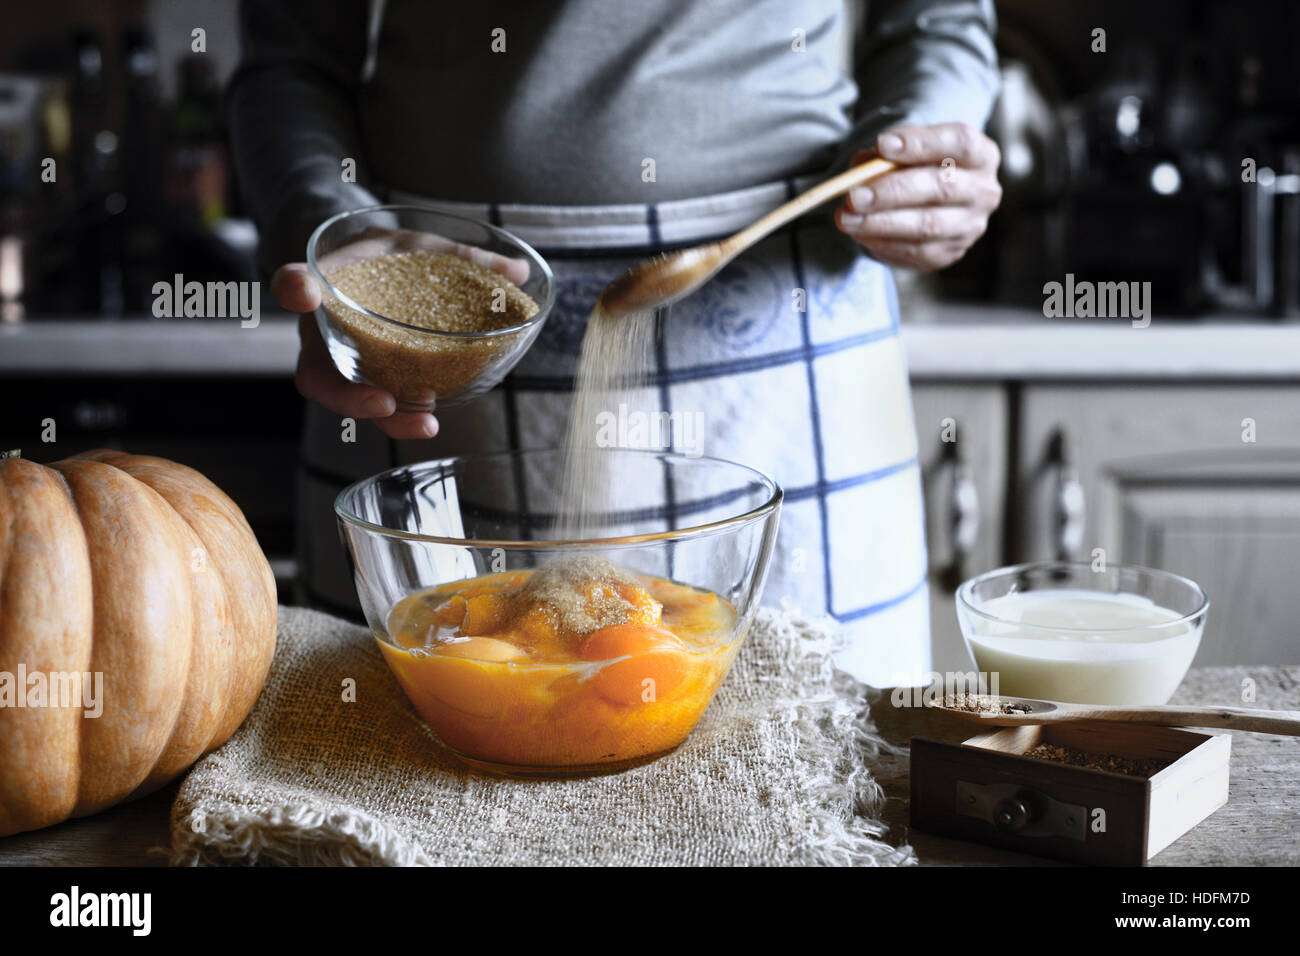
(295, 289)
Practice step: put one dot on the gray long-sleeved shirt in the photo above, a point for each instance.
(721, 94)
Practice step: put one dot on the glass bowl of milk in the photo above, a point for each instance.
(1121, 635)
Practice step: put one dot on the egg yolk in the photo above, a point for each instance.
(523, 671)
(646, 663)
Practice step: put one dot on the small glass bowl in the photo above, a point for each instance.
(1123, 635)
(698, 528)
(422, 367)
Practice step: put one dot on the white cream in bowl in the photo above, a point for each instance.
(1082, 646)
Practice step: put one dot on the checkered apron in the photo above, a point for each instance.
(792, 355)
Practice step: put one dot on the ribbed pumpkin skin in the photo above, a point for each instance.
(143, 570)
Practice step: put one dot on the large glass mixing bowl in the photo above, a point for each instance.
(443, 555)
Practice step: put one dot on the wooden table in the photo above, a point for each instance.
(130, 834)
(1260, 826)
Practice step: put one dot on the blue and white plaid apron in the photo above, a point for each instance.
(816, 397)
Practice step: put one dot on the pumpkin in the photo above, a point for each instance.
(140, 570)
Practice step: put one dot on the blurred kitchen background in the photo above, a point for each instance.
(1176, 445)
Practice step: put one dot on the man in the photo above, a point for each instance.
(600, 132)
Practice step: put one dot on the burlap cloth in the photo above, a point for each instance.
(775, 773)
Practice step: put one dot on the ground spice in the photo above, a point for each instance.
(985, 704)
(428, 290)
(582, 594)
(1129, 766)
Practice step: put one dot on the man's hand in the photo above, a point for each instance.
(295, 289)
(925, 215)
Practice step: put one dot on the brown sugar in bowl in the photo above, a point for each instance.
(430, 314)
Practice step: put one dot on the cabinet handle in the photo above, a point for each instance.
(963, 513)
(1069, 507)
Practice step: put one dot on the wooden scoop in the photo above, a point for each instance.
(666, 278)
(1013, 711)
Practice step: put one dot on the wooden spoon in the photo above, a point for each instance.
(666, 278)
(1013, 711)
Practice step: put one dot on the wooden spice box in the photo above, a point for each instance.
(984, 789)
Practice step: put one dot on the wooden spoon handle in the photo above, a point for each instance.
(1232, 718)
(806, 202)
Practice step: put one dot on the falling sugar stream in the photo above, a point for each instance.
(613, 369)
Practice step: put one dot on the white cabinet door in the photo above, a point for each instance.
(1199, 480)
(962, 431)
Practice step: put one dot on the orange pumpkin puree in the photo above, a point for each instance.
(576, 664)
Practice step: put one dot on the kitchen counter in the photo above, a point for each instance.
(53, 347)
(1256, 828)
(947, 342)
(986, 343)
